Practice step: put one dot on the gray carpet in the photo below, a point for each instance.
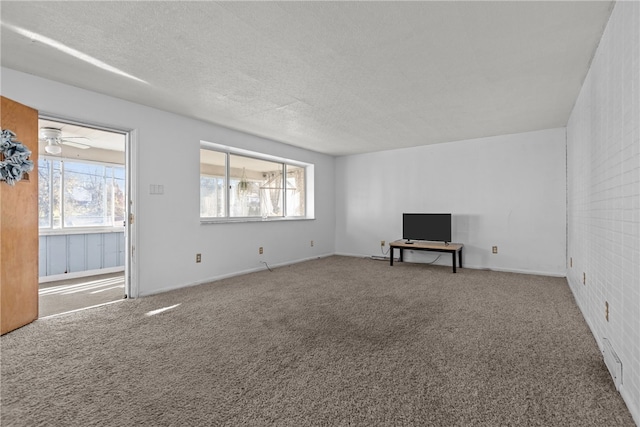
(336, 341)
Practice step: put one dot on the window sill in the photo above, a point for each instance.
(80, 230)
(205, 221)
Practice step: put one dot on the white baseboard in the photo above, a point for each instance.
(517, 270)
(78, 274)
(353, 255)
(472, 267)
(632, 405)
(262, 267)
(234, 274)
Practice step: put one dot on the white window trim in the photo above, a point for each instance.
(309, 187)
(79, 230)
(72, 160)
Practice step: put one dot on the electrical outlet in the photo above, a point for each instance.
(382, 242)
(198, 257)
(260, 250)
(312, 243)
(494, 249)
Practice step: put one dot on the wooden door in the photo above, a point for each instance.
(19, 226)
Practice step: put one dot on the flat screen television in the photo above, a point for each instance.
(426, 226)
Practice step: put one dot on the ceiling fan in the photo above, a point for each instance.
(53, 137)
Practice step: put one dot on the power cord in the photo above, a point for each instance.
(267, 265)
(384, 256)
(386, 253)
(437, 258)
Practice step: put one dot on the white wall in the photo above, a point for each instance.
(603, 179)
(169, 233)
(507, 191)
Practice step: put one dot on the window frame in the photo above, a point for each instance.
(66, 230)
(284, 162)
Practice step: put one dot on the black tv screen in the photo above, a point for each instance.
(426, 226)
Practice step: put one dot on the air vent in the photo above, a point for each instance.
(613, 362)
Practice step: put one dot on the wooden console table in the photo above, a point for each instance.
(453, 248)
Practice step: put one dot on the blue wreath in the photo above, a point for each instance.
(16, 158)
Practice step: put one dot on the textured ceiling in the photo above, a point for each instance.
(334, 77)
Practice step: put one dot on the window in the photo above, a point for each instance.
(295, 187)
(255, 187)
(76, 194)
(213, 166)
(237, 184)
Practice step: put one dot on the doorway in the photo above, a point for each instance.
(84, 201)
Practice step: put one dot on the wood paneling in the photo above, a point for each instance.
(19, 227)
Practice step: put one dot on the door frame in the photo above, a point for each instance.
(131, 288)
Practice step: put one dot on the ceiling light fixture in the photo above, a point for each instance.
(70, 51)
(52, 147)
(52, 138)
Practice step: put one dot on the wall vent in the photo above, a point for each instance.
(613, 362)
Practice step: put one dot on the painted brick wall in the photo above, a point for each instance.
(603, 187)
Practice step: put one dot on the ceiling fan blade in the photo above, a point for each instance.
(74, 144)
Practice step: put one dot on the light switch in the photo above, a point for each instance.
(156, 189)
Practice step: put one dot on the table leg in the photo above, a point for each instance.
(453, 258)
(401, 254)
(391, 257)
(460, 258)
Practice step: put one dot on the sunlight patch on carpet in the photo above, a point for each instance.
(80, 309)
(160, 310)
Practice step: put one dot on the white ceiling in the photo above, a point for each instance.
(334, 77)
